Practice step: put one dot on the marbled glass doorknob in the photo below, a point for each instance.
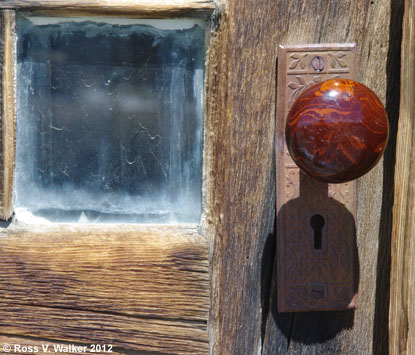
(337, 130)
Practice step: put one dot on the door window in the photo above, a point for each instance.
(109, 120)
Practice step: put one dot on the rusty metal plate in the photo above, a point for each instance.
(316, 236)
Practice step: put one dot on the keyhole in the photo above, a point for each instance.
(317, 222)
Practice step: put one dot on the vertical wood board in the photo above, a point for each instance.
(373, 27)
(8, 110)
(402, 306)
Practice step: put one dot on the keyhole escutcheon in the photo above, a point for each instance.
(317, 222)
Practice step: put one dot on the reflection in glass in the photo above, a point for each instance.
(109, 125)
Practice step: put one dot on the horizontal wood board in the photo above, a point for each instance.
(142, 8)
(172, 337)
(141, 288)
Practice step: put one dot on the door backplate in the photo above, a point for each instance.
(316, 234)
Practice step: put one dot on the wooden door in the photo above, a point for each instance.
(212, 287)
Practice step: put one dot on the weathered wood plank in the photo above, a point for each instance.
(402, 308)
(8, 110)
(145, 8)
(240, 118)
(130, 333)
(159, 272)
(240, 203)
(369, 24)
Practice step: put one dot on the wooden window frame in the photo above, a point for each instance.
(147, 285)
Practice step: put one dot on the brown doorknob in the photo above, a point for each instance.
(337, 130)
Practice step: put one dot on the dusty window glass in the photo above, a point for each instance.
(110, 118)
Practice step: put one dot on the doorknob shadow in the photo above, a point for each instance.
(318, 327)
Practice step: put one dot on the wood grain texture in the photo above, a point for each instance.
(239, 195)
(363, 331)
(129, 333)
(402, 292)
(239, 170)
(148, 287)
(241, 114)
(8, 110)
(143, 8)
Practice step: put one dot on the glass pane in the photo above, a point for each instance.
(110, 117)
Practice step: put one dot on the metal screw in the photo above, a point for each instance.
(318, 63)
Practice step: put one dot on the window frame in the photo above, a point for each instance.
(179, 272)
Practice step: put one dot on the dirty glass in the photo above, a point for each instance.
(109, 121)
